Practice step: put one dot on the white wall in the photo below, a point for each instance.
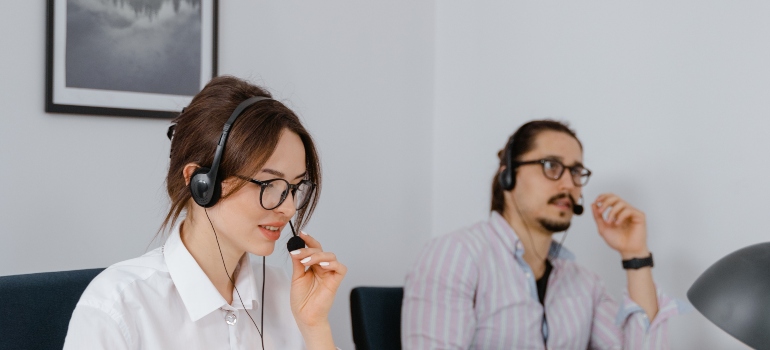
(87, 191)
(80, 191)
(669, 99)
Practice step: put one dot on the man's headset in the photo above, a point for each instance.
(507, 177)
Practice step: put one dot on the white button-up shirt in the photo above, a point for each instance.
(164, 300)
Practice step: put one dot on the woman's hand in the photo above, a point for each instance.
(314, 282)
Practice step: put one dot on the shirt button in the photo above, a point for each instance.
(528, 275)
(230, 318)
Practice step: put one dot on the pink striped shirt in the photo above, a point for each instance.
(472, 289)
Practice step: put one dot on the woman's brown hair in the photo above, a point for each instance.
(252, 140)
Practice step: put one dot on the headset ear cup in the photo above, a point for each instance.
(201, 184)
(506, 180)
(217, 193)
(508, 175)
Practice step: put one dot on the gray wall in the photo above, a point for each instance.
(670, 100)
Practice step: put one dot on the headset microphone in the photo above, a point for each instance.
(295, 242)
(577, 208)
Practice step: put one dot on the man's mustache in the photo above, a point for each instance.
(560, 196)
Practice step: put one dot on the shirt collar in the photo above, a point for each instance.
(198, 294)
(512, 242)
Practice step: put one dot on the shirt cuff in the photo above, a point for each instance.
(667, 308)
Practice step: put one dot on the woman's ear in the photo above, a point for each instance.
(188, 171)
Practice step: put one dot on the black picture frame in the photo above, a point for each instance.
(88, 98)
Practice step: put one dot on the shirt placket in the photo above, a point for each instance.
(230, 317)
(531, 283)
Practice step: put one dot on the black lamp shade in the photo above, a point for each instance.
(734, 294)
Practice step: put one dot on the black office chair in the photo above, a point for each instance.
(376, 316)
(35, 309)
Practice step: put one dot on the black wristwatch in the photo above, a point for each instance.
(638, 263)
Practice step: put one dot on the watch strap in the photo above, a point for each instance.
(638, 263)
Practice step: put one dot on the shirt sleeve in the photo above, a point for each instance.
(438, 306)
(94, 328)
(627, 326)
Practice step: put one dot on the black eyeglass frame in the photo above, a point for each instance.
(290, 188)
(572, 170)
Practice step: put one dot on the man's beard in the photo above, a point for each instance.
(554, 226)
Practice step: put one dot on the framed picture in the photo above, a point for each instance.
(137, 58)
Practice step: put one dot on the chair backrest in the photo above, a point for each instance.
(35, 309)
(376, 316)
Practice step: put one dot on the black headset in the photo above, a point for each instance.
(205, 187)
(507, 177)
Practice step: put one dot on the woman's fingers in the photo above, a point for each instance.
(317, 258)
(313, 255)
(313, 246)
(298, 269)
(304, 252)
(298, 256)
(309, 240)
(334, 266)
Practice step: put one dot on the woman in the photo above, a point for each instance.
(201, 290)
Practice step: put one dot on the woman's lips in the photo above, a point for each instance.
(273, 234)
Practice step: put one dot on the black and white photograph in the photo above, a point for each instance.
(129, 57)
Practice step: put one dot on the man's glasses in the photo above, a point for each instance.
(554, 169)
(274, 192)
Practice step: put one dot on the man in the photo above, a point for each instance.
(504, 284)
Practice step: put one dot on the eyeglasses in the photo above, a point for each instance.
(554, 169)
(274, 192)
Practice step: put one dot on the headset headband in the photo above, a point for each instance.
(226, 131)
(204, 186)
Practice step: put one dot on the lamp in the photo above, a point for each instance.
(734, 294)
